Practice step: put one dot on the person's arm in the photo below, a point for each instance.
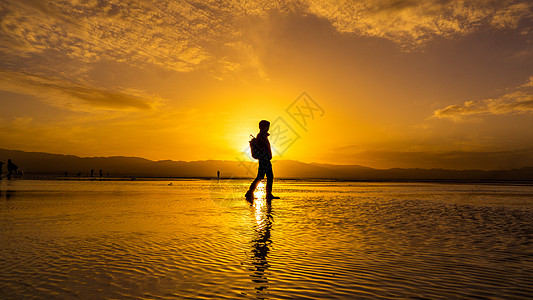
(264, 145)
(267, 148)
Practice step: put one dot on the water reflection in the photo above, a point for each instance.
(8, 194)
(261, 244)
(260, 191)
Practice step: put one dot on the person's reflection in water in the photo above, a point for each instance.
(261, 246)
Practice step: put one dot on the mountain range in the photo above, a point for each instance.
(37, 165)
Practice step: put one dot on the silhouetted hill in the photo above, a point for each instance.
(35, 163)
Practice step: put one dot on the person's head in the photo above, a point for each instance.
(264, 125)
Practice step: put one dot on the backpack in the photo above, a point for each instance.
(255, 149)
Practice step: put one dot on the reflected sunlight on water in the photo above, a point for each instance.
(260, 246)
(201, 239)
(260, 191)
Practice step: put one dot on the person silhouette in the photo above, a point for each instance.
(265, 166)
(1, 166)
(11, 168)
(218, 175)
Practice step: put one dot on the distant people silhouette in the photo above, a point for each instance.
(218, 174)
(101, 173)
(11, 168)
(265, 166)
(92, 172)
(1, 168)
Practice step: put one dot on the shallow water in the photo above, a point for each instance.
(200, 239)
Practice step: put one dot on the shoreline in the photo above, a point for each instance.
(363, 180)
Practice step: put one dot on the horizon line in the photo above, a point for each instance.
(253, 161)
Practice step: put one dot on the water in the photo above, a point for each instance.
(199, 239)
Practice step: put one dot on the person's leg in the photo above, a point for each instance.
(270, 180)
(258, 178)
(256, 182)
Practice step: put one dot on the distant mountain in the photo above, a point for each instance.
(46, 164)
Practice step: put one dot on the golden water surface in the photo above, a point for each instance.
(199, 239)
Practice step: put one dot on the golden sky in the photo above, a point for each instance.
(431, 83)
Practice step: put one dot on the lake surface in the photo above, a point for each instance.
(199, 239)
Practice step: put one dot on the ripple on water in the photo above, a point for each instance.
(200, 239)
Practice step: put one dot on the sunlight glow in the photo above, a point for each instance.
(260, 191)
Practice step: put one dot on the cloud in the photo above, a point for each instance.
(74, 96)
(187, 35)
(412, 23)
(510, 16)
(170, 34)
(518, 101)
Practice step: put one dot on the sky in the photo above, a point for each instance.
(384, 84)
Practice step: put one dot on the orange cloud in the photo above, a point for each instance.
(186, 35)
(74, 96)
(516, 102)
(412, 23)
(168, 34)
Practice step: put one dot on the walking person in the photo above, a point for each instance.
(260, 148)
